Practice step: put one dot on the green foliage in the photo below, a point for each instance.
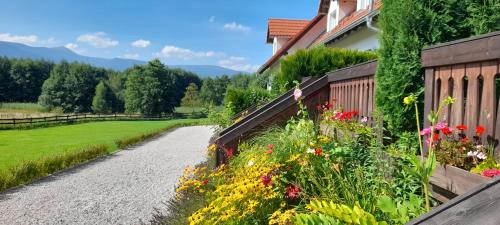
(330, 213)
(221, 117)
(149, 89)
(316, 62)
(70, 86)
(401, 212)
(242, 99)
(103, 99)
(182, 80)
(213, 90)
(191, 97)
(409, 25)
(32, 170)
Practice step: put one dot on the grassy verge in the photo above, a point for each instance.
(31, 170)
(26, 155)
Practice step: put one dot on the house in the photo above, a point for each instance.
(348, 24)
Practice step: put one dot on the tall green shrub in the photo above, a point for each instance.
(408, 26)
(103, 99)
(316, 62)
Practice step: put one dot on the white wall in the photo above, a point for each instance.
(278, 43)
(363, 39)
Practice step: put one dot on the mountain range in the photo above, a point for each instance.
(56, 54)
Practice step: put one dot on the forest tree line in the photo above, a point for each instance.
(72, 87)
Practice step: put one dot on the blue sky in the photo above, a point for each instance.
(229, 33)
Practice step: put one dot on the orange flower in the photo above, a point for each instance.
(318, 151)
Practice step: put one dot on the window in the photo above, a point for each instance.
(332, 20)
(332, 16)
(363, 4)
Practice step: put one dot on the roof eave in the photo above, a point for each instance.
(350, 27)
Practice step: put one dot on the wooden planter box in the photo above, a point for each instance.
(449, 181)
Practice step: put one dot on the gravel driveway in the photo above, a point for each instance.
(120, 189)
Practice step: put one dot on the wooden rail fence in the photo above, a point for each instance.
(83, 117)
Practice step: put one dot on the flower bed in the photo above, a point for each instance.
(304, 174)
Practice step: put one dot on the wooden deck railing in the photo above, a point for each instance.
(353, 88)
(468, 71)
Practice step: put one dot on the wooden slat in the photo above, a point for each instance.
(444, 75)
(429, 94)
(487, 108)
(472, 108)
(457, 109)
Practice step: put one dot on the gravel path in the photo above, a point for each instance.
(120, 189)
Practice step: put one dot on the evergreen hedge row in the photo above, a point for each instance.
(316, 62)
(406, 27)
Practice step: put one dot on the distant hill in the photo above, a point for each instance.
(207, 70)
(16, 50)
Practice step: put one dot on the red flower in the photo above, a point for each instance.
(270, 146)
(318, 106)
(491, 173)
(269, 151)
(435, 137)
(266, 180)
(446, 131)
(464, 140)
(330, 105)
(479, 130)
(292, 192)
(462, 127)
(205, 181)
(318, 151)
(229, 153)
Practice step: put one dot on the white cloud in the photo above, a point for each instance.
(211, 19)
(74, 47)
(71, 46)
(131, 56)
(236, 27)
(141, 43)
(238, 63)
(170, 51)
(28, 39)
(98, 40)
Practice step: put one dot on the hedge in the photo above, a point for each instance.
(316, 62)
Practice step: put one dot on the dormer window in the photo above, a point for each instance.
(332, 16)
(362, 4)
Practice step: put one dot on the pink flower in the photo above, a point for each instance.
(441, 125)
(229, 153)
(426, 131)
(266, 180)
(364, 120)
(297, 94)
(491, 173)
(292, 192)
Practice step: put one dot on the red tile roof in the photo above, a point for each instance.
(284, 28)
(346, 21)
(290, 43)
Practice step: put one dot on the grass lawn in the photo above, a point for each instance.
(20, 145)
